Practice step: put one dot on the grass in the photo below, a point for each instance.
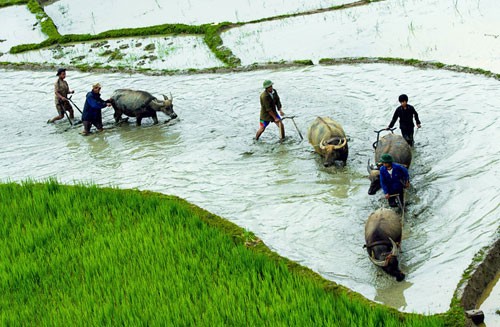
(6, 3)
(46, 22)
(83, 255)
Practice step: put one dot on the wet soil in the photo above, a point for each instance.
(484, 272)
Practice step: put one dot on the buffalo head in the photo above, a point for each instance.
(374, 176)
(166, 106)
(333, 149)
(386, 257)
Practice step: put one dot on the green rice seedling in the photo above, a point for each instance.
(116, 54)
(83, 255)
(163, 50)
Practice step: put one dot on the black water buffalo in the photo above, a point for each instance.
(329, 140)
(383, 231)
(397, 147)
(140, 104)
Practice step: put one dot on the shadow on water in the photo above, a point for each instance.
(281, 191)
(392, 294)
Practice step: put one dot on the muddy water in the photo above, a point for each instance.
(308, 213)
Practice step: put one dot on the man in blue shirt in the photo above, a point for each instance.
(92, 109)
(394, 179)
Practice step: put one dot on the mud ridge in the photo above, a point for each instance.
(480, 273)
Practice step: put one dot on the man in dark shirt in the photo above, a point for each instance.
(270, 104)
(405, 113)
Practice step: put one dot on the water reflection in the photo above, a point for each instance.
(280, 191)
(98, 146)
(393, 294)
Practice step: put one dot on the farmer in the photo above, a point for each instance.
(405, 113)
(394, 179)
(92, 109)
(61, 91)
(269, 102)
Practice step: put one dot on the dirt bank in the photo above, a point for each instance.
(259, 66)
(478, 276)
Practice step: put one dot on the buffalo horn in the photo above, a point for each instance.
(372, 167)
(380, 263)
(394, 253)
(340, 146)
(395, 248)
(322, 144)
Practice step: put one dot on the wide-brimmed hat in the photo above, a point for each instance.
(60, 70)
(267, 83)
(386, 158)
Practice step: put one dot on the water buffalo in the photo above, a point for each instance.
(383, 231)
(397, 147)
(140, 104)
(329, 140)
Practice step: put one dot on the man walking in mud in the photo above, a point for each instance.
(394, 178)
(269, 102)
(61, 91)
(92, 109)
(405, 113)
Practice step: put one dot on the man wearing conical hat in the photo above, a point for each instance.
(270, 104)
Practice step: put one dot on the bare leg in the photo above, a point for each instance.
(86, 127)
(55, 118)
(259, 132)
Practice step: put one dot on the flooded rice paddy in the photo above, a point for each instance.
(281, 192)
(92, 16)
(17, 26)
(172, 52)
(452, 32)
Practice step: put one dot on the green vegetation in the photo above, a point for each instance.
(167, 29)
(6, 3)
(214, 42)
(455, 315)
(83, 255)
(46, 22)
(478, 258)
(303, 62)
